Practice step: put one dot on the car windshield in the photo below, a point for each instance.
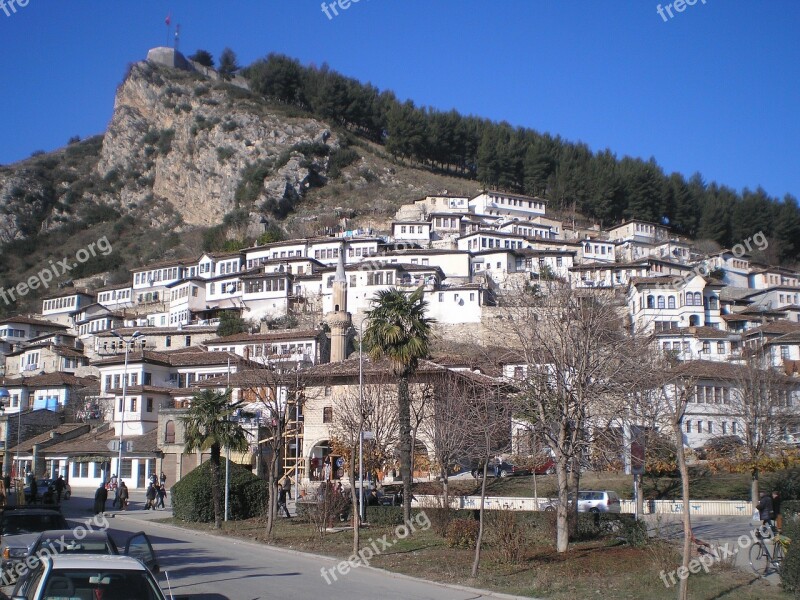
(108, 584)
(73, 546)
(17, 524)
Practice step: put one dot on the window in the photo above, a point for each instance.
(188, 341)
(661, 302)
(441, 297)
(785, 352)
(651, 302)
(328, 390)
(733, 427)
(724, 428)
(126, 468)
(80, 469)
(116, 381)
(671, 302)
(168, 341)
(133, 404)
(706, 347)
(108, 382)
(98, 470)
(688, 427)
(121, 406)
(720, 347)
(327, 414)
(149, 405)
(710, 427)
(169, 432)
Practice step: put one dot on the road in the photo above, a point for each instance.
(205, 567)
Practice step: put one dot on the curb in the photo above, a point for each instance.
(462, 588)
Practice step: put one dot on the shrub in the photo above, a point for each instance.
(790, 566)
(508, 534)
(224, 153)
(462, 533)
(192, 501)
(339, 159)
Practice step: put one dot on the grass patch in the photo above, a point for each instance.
(600, 568)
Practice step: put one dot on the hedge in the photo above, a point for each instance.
(192, 501)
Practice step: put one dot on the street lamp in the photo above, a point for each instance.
(4, 397)
(361, 419)
(128, 342)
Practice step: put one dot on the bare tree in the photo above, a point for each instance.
(571, 360)
(760, 401)
(660, 393)
(487, 428)
(270, 389)
(444, 427)
(371, 408)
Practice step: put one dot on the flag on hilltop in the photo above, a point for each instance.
(168, 20)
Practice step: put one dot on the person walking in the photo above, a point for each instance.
(34, 491)
(161, 494)
(163, 479)
(776, 510)
(764, 508)
(59, 485)
(151, 497)
(283, 492)
(100, 498)
(123, 495)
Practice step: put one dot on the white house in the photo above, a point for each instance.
(506, 204)
(658, 303)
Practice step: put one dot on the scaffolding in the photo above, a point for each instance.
(293, 437)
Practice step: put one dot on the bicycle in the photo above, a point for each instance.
(763, 561)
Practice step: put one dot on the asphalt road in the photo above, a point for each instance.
(205, 567)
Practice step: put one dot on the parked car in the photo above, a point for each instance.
(19, 529)
(46, 491)
(88, 576)
(592, 501)
(501, 469)
(64, 541)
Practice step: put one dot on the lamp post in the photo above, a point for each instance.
(128, 342)
(361, 420)
(4, 396)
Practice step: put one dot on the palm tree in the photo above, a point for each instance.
(207, 428)
(399, 331)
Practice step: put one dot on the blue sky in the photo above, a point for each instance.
(714, 89)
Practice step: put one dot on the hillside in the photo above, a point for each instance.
(191, 163)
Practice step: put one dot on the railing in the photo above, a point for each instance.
(738, 508)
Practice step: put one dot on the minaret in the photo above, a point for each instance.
(339, 320)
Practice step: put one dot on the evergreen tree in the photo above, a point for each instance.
(203, 57)
(787, 229)
(227, 64)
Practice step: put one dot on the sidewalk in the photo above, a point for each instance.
(81, 506)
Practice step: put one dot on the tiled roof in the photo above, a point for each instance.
(350, 366)
(25, 320)
(27, 445)
(286, 334)
(789, 338)
(94, 443)
(145, 331)
(48, 380)
(774, 328)
(698, 332)
(140, 389)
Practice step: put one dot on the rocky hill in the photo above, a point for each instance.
(192, 161)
